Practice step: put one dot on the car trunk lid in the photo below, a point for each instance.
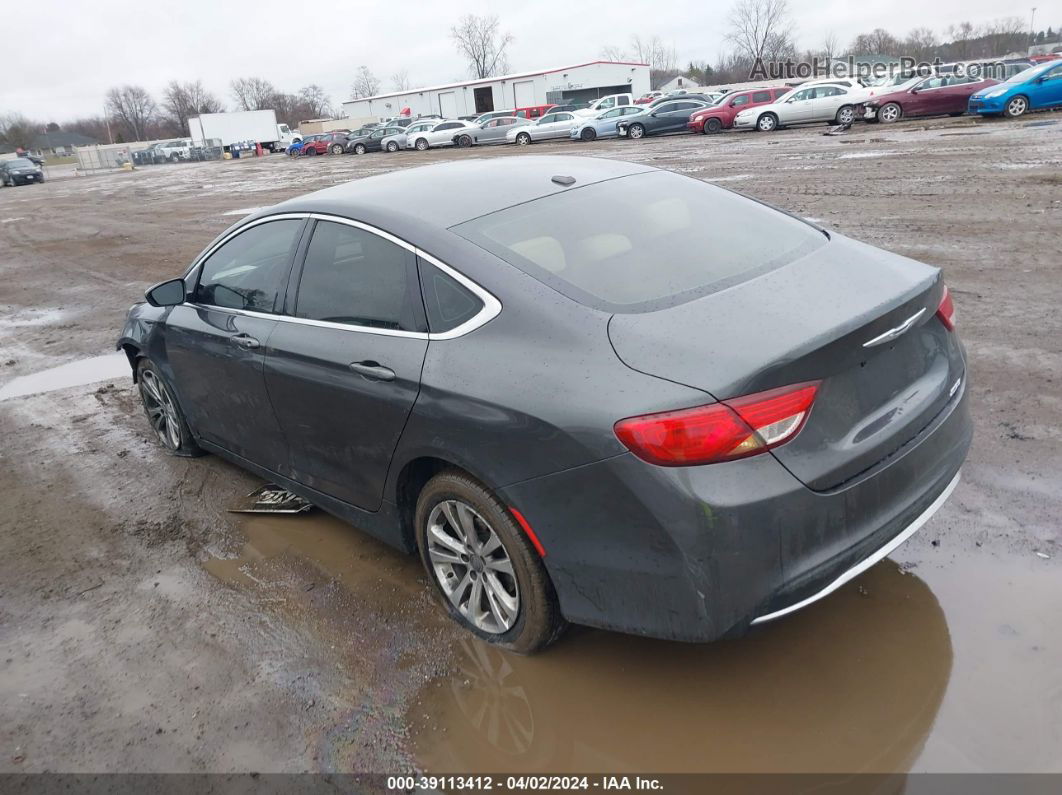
(859, 320)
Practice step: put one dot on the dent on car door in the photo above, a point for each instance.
(215, 344)
(344, 366)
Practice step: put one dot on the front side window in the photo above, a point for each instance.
(740, 100)
(247, 272)
(357, 278)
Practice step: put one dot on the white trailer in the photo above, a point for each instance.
(238, 127)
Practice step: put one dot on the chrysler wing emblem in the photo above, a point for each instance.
(893, 333)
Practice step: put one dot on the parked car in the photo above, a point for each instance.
(603, 125)
(1036, 88)
(819, 103)
(705, 98)
(372, 141)
(552, 125)
(400, 140)
(569, 107)
(671, 116)
(442, 134)
(533, 112)
(576, 408)
(494, 114)
(645, 99)
(720, 116)
(605, 103)
(930, 96)
(333, 143)
(20, 171)
(492, 131)
(294, 149)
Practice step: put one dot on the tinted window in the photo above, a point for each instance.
(353, 276)
(656, 239)
(449, 126)
(448, 304)
(740, 100)
(247, 272)
(761, 96)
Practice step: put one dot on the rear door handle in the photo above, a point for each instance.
(374, 371)
(246, 341)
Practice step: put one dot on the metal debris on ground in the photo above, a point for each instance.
(271, 498)
(839, 129)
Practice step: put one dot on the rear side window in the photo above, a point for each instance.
(448, 304)
(354, 277)
(247, 272)
(761, 96)
(642, 242)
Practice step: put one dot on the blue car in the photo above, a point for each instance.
(1036, 88)
(603, 125)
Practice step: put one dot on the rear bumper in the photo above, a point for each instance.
(696, 553)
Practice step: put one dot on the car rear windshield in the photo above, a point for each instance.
(642, 242)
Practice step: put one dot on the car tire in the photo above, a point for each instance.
(359, 149)
(589, 134)
(523, 139)
(1016, 106)
(522, 613)
(309, 152)
(392, 146)
(889, 113)
(845, 114)
(464, 141)
(421, 145)
(768, 122)
(336, 149)
(163, 412)
(712, 126)
(635, 131)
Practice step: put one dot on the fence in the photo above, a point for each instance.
(109, 157)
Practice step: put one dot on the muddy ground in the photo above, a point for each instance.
(144, 628)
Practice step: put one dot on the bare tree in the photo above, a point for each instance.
(761, 29)
(483, 45)
(17, 131)
(315, 102)
(133, 108)
(831, 47)
(878, 42)
(400, 80)
(366, 84)
(962, 36)
(920, 43)
(181, 101)
(253, 93)
(661, 58)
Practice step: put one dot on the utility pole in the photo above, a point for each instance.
(1032, 26)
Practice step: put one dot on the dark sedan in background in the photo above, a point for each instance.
(370, 140)
(666, 117)
(575, 399)
(20, 171)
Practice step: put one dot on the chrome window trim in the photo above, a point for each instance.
(490, 310)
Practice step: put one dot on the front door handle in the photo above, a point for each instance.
(246, 341)
(374, 371)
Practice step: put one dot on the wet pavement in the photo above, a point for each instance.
(144, 627)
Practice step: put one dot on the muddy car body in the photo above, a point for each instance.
(588, 441)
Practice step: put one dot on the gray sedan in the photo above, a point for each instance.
(586, 404)
(491, 131)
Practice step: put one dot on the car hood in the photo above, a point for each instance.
(981, 93)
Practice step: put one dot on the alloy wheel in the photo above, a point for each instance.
(472, 567)
(889, 113)
(636, 131)
(523, 139)
(1017, 106)
(846, 115)
(161, 410)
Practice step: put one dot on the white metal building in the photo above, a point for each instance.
(579, 83)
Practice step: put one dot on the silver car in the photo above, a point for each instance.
(552, 125)
(818, 103)
(400, 140)
(491, 131)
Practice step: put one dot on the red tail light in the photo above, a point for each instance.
(724, 431)
(946, 310)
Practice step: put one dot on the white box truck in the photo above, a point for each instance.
(242, 126)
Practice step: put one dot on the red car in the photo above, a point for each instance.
(329, 142)
(933, 96)
(532, 111)
(721, 115)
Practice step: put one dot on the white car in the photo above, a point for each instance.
(552, 125)
(602, 104)
(825, 102)
(442, 134)
(401, 140)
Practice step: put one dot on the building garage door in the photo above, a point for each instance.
(448, 104)
(524, 92)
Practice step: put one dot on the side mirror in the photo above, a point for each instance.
(170, 293)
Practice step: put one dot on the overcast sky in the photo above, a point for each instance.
(59, 58)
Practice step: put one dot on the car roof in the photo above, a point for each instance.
(450, 193)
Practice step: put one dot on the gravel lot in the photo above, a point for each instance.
(145, 628)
